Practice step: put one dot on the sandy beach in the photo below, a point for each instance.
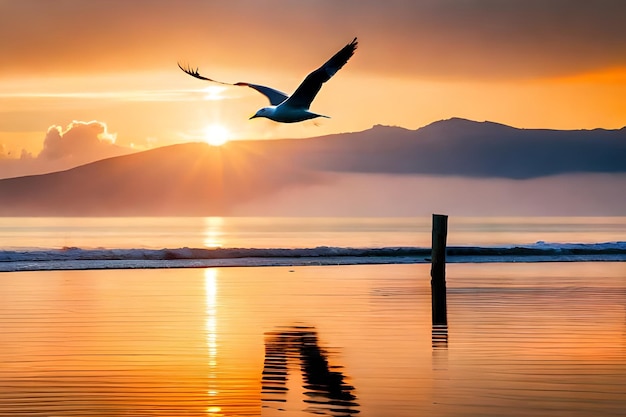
(540, 339)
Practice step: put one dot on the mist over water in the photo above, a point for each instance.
(351, 194)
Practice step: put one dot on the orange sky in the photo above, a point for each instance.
(559, 64)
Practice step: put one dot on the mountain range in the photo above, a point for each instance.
(198, 179)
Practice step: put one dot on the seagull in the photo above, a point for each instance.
(294, 108)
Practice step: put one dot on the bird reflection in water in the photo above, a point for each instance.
(325, 391)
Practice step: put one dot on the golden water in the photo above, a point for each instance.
(523, 339)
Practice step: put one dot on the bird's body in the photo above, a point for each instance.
(294, 108)
(286, 114)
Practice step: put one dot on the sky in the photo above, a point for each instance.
(81, 80)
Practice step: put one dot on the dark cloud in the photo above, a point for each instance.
(432, 38)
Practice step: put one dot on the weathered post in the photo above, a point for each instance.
(438, 270)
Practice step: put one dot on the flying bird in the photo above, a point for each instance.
(294, 108)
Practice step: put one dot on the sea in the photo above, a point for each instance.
(39, 244)
(309, 317)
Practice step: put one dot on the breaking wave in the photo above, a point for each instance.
(76, 258)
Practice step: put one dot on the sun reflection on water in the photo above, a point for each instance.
(210, 288)
(213, 232)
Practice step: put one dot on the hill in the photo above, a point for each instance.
(463, 148)
(197, 179)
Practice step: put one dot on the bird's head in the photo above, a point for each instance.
(264, 112)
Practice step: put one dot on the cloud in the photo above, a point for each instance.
(80, 140)
(78, 143)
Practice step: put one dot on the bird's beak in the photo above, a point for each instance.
(253, 117)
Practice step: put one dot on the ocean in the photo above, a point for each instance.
(149, 242)
(92, 326)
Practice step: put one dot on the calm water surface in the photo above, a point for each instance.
(283, 232)
(523, 340)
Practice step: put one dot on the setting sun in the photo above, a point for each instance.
(216, 135)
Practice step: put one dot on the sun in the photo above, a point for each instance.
(216, 135)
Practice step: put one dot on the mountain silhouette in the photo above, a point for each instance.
(185, 179)
(197, 179)
(465, 148)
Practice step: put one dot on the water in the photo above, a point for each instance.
(285, 232)
(531, 339)
(123, 243)
(136, 331)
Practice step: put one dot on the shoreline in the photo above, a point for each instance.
(112, 265)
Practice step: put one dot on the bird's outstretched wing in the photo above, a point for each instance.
(275, 97)
(308, 89)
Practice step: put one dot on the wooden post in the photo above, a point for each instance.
(438, 270)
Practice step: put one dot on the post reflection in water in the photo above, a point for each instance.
(440, 336)
(210, 287)
(324, 389)
(439, 361)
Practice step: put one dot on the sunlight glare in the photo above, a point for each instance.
(210, 286)
(214, 92)
(213, 233)
(216, 135)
